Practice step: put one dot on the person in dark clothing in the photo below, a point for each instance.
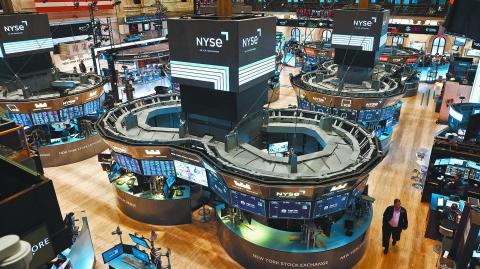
(394, 221)
(82, 67)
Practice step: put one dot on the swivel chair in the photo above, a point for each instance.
(204, 212)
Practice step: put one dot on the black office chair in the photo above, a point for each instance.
(204, 212)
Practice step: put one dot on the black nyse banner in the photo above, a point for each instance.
(24, 34)
(228, 55)
(23, 27)
(360, 29)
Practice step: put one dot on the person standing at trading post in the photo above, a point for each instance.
(394, 221)
(82, 67)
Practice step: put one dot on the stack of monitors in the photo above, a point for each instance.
(92, 107)
(46, 117)
(128, 163)
(71, 113)
(158, 168)
(23, 119)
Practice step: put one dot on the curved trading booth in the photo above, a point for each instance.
(408, 58)
(375, 105)
(59, 119)
(272, 209)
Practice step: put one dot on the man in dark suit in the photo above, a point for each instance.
(394, 221)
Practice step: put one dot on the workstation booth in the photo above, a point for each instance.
(58, 117)
(160, 178)
(288, 187)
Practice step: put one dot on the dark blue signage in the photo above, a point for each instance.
(289, 210)
(217, 185)
(247, 202)
(331, 205)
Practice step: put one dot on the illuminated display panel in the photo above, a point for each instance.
(331, 205)
(128, 163)
(71, 113)
(45, 117)
(190, 172)
(289, 209)
(158, 168)
(247, 202)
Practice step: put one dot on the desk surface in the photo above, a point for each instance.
(118, 263)
(271, 238)
(149, 195)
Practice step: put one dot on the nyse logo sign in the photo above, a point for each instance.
(364, 24)
(282, 194)
(319, 99)
(371, 105)
(252, 40)
(67, 102)
(15, 29)
(211, 44)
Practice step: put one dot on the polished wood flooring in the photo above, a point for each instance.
(84, 186)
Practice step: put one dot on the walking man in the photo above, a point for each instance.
(394, 221)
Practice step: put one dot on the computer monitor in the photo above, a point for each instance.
(139, 241)
(141, 255)
(450, 203)
(170, 181)
(112, 253)
(440, 202)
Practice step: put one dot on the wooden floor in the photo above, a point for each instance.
(84, 186)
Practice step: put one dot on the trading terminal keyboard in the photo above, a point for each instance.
(133, 262)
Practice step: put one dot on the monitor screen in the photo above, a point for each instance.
(20, 118)
(247, 202)
(138, 241)
(92, 107)
(278, 148)
(323, 109)
(46, 117)
(369, 115)
(158, 168)
(190, 172)
(387, 112)
(289, 209)
(71, 112)
(141, 255)
(460, 41)
(217, 185)
(170, 181)
(331, 204)
(115, 172)
(128, 163)
(112, 253)
(348, 114)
